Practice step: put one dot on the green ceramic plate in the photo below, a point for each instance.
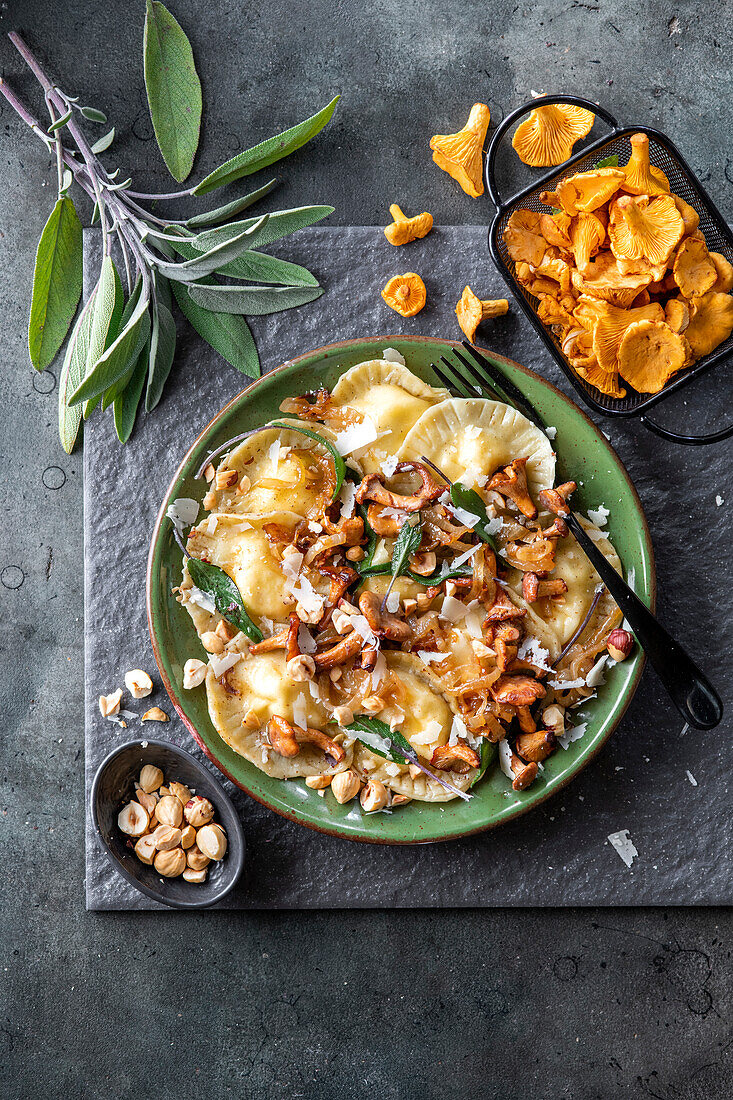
(583, 454)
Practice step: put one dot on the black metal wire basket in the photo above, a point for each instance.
(662, 154)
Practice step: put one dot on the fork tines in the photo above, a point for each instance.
(512, 394)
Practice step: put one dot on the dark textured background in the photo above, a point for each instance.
(585, 1005)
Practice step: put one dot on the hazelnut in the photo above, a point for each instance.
(138, 683)
(244, 484)
(225, 630)
(341, 622)
(553, 718)
(355, 553)
(180, 791)
(155, 714)
(343, 715)
(163, 792)
(198, 811)
(133, 819)
(414, 771)
(209, 472)
(345, 786)
(372, 704)
(170, 863)
(110, 704)
(145, 849)
(147, 801)
(374, 796)
(150, 778)
(194, 876)
(301, 668)
(194, 673)
(212, 642)
(212, 841)
(225, 479)
(318, 782)
(210, 500)
(166, 837)
(169, 811)
(188, 837)
(619, 644)
(400, 800)
(196, 859)
(409, 605)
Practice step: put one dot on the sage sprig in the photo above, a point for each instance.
(406, 543)
(121, 349)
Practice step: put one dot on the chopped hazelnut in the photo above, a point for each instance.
(155, 714)
(196, 859)
(170, 863)
(373, 704)
(301, 668)
(166, 837)
(188, 837)
(343, 715)
(335, 674)
(180, 791)
(409, 605)
(318, 782)
(133, 819)
(209, 472)
(355, 553)
(147, 801)
(374, 796)
(345, 786)
(169, 811)
(400, 800)
(212, 642)
(212, 841)
(138, 683)
(150, 778)
(210, 500)
(110, 704)
(225, 630)
(225, 479)
(198, 811)
(341, 622)
(163, 792)
(414, 771)
(195, 876)
(145, 849)
(244, 484)
(194, 673)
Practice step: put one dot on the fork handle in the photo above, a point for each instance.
(689, 689)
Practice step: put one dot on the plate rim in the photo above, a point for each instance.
(454, 834)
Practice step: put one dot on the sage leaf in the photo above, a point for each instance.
(119, 356)
(224, 213)
(253, 300)
(470, 501)
(281, 223)
(173, 89)
(57, 283)
(104, 142)
(226, 596)
(162, 345)
(608, 162)
(392, 745)
(258, 267)
(338, 462)
(109, 310)
(60, 121)
(406, 543)
(267, 152)
(126, 403)
(487, 754)
(93, 114)
(72, 373)
(216, 257)
(226, 333)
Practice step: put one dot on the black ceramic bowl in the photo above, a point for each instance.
(114, 785)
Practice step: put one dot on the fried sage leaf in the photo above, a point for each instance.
(470, 501)
(338, 463)
(487, 754)
(226, 596)
(57, 282)
(390, 744)
(173, 89)
(267, 152)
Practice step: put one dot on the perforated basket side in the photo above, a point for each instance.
(682, 183)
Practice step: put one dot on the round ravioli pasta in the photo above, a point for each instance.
(239, 546)
(391, 397)
(258, 685)
(426, 721)
(285, 470)
(466, 436)
(553, 622)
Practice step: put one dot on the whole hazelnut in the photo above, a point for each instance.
(133, 819)
(169, 811)
(196, 859)
(345, 786)
(138, 683)
(318, 782)
(374, 796)
(194, 673)
(194, 876)
(145, 849)
(170, 863)
(212, 841)
(188, 837)
(150, 778)
(180, 791)
(619, 644)
(166, 837)
(211, 642)
(147, 801)
(198, 811)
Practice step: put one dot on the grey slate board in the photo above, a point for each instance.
(557, 854)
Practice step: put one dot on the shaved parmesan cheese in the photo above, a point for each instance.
(428, 735)
(378, 672)
(306, 642)
(595, 677)
(310, 600)
(473, 625)
(291, 565)
(315, 691)
(393, 602)
(356, 436)
(220, 665)
(460, 730)
(453, 610)
(566, 685)
(572, 733)
(599, 515)
(211, 524)
(389, 465)
(427, 656)
(474, 478)
(531, 650)
(458, 562)
(468, 519)
(393, 356)
(595, 535)
(397, 719)
(348, 495)
(551, 432)
(201, 599)
(494, 525)
(363, 629)
(689, 775)
(624, 845)
(182, 513)
(505, 759)
(300, 712)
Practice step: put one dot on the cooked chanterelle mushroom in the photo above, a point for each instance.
(402, 594)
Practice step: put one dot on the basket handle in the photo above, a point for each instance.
(511, 118)
(687, 440)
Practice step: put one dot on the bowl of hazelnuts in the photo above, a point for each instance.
(166, 824)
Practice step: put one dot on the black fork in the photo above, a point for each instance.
(689, 689)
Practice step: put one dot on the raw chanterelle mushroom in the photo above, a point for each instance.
(523, 237)
(643, 228)
(460, 155)
(405, 294)
(649, 354)
(711, 322)
(547, 137)
(404, 229)
(640, 177)
(693, 270)
(471, 311)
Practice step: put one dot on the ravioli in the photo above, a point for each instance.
(257, 684)
(469, 436)
(392, 397)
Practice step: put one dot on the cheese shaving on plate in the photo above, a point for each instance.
(201, 599)
(573, 733)
(220, 665)
(300, 712)
(622, 843)
(531, 650)
(393, 602)
(599, 515)
(356, 436)
(453, 610)
(182, 513)
(393, 356)
(389, 465)
(347, 498)
(505, 758)
(426, 656)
